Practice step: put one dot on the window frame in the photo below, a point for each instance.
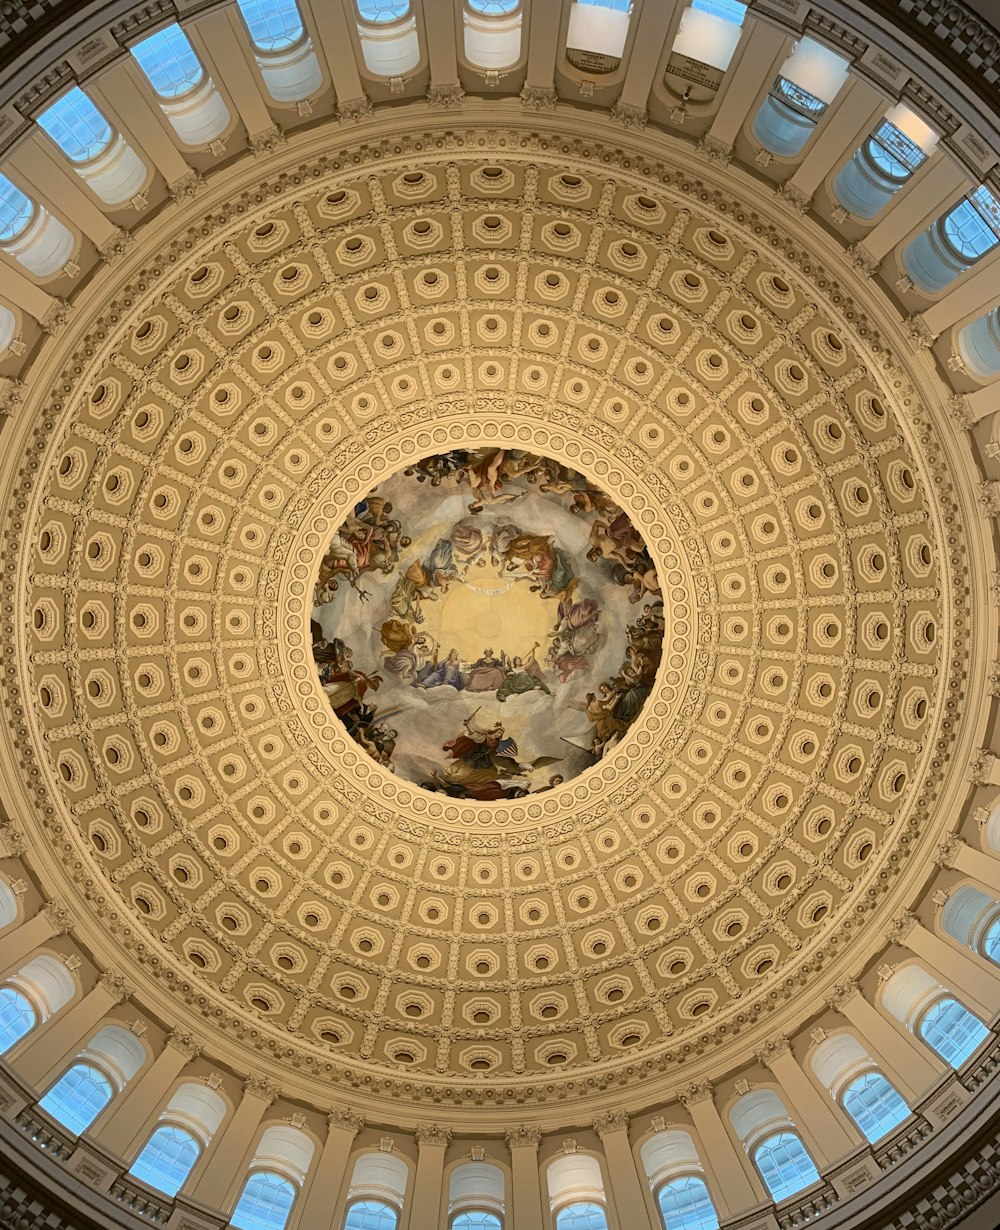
(16, 992)
(89, 158)
(187, 90)
(168, 1126)
(353, 1204)
(568, 1205)
(382, 23)
(679, 1177)
(91, 1065)
(919, 1025)
(847, 1087)
(453, 1220)
(282, 1180)
(282, 49)
(767, 1139)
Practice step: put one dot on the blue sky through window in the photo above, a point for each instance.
(78, 1097)
(76, 126)
(166, 1159)
(169, 62)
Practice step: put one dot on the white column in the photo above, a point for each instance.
(229, 1155)
(757, 64)
(854, 114)
(909, 1065)
(810, 1110)
(43, 1059)
(118, 87)
(228, 46)
(337, 48)
(60, 189)
(644, 59)
(442, 54)
(18, 944)
(974, 291)
(974, 979)
(543, 48)
(937, 187)
(978, 864)
(526, 1188)
(629, 1200)
(428, 1185)
(320, 1198)
(130, 1113)
(734, 1185)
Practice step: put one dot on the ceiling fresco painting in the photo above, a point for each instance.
(487, 623)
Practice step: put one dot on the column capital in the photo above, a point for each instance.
(696, 1093)
(774, 1050)
(58, 916)
(431, 1134)
(901, 928)
(260, 1087)
(349, 1120)
(116, 986)
(184, 1043)
(521, 1136)
(841, 993)
(613, 1121)
(947, 851)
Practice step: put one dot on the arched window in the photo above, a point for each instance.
(100, 156)
(685, 1204)
(979, 346)
(282, 48)
(169, 62)
(709, 34)
(952, 244)
(264, 1203)
(78, 1097)
(274, 25)
(184, 92)
(588, 1216)
(476, 1219)
(371, 1215)
(899, 145)
(808, 82)
(17, 1017)
(383, 10)
(952, 1030)
(784, 1165)
(387, 29)
(492, 31)
(874, 1105)
(29, 234)
(16, 211)
(597, 33)
(166, 1159)
(77, 127)
(8, 327)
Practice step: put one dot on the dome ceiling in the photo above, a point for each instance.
(236, 403)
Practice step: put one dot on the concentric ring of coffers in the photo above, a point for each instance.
(321, 331)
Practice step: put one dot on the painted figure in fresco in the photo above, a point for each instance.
(486, 674)
(436, 674)
(524, 676)
(483, 765)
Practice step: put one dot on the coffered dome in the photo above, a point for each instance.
(497, 598)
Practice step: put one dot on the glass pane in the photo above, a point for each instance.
(265, 1203)
(17, 1017)
(784, 1165)
(874, 1105)
(76, 126)
(274, 25)
(476, 1221)
(166, 1160)
(894, 153)
(952, 1031)
(972, 227)
(797, 98)
(169, 62)
(582, 1217)
(78, 1097)
(728, 10)
(371, 1215)
(383, 10)
(620, 6)
(686, 1205)
(16, 210)
(991, 941)
(496, 8)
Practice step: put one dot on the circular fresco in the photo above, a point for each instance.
(487, 623)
